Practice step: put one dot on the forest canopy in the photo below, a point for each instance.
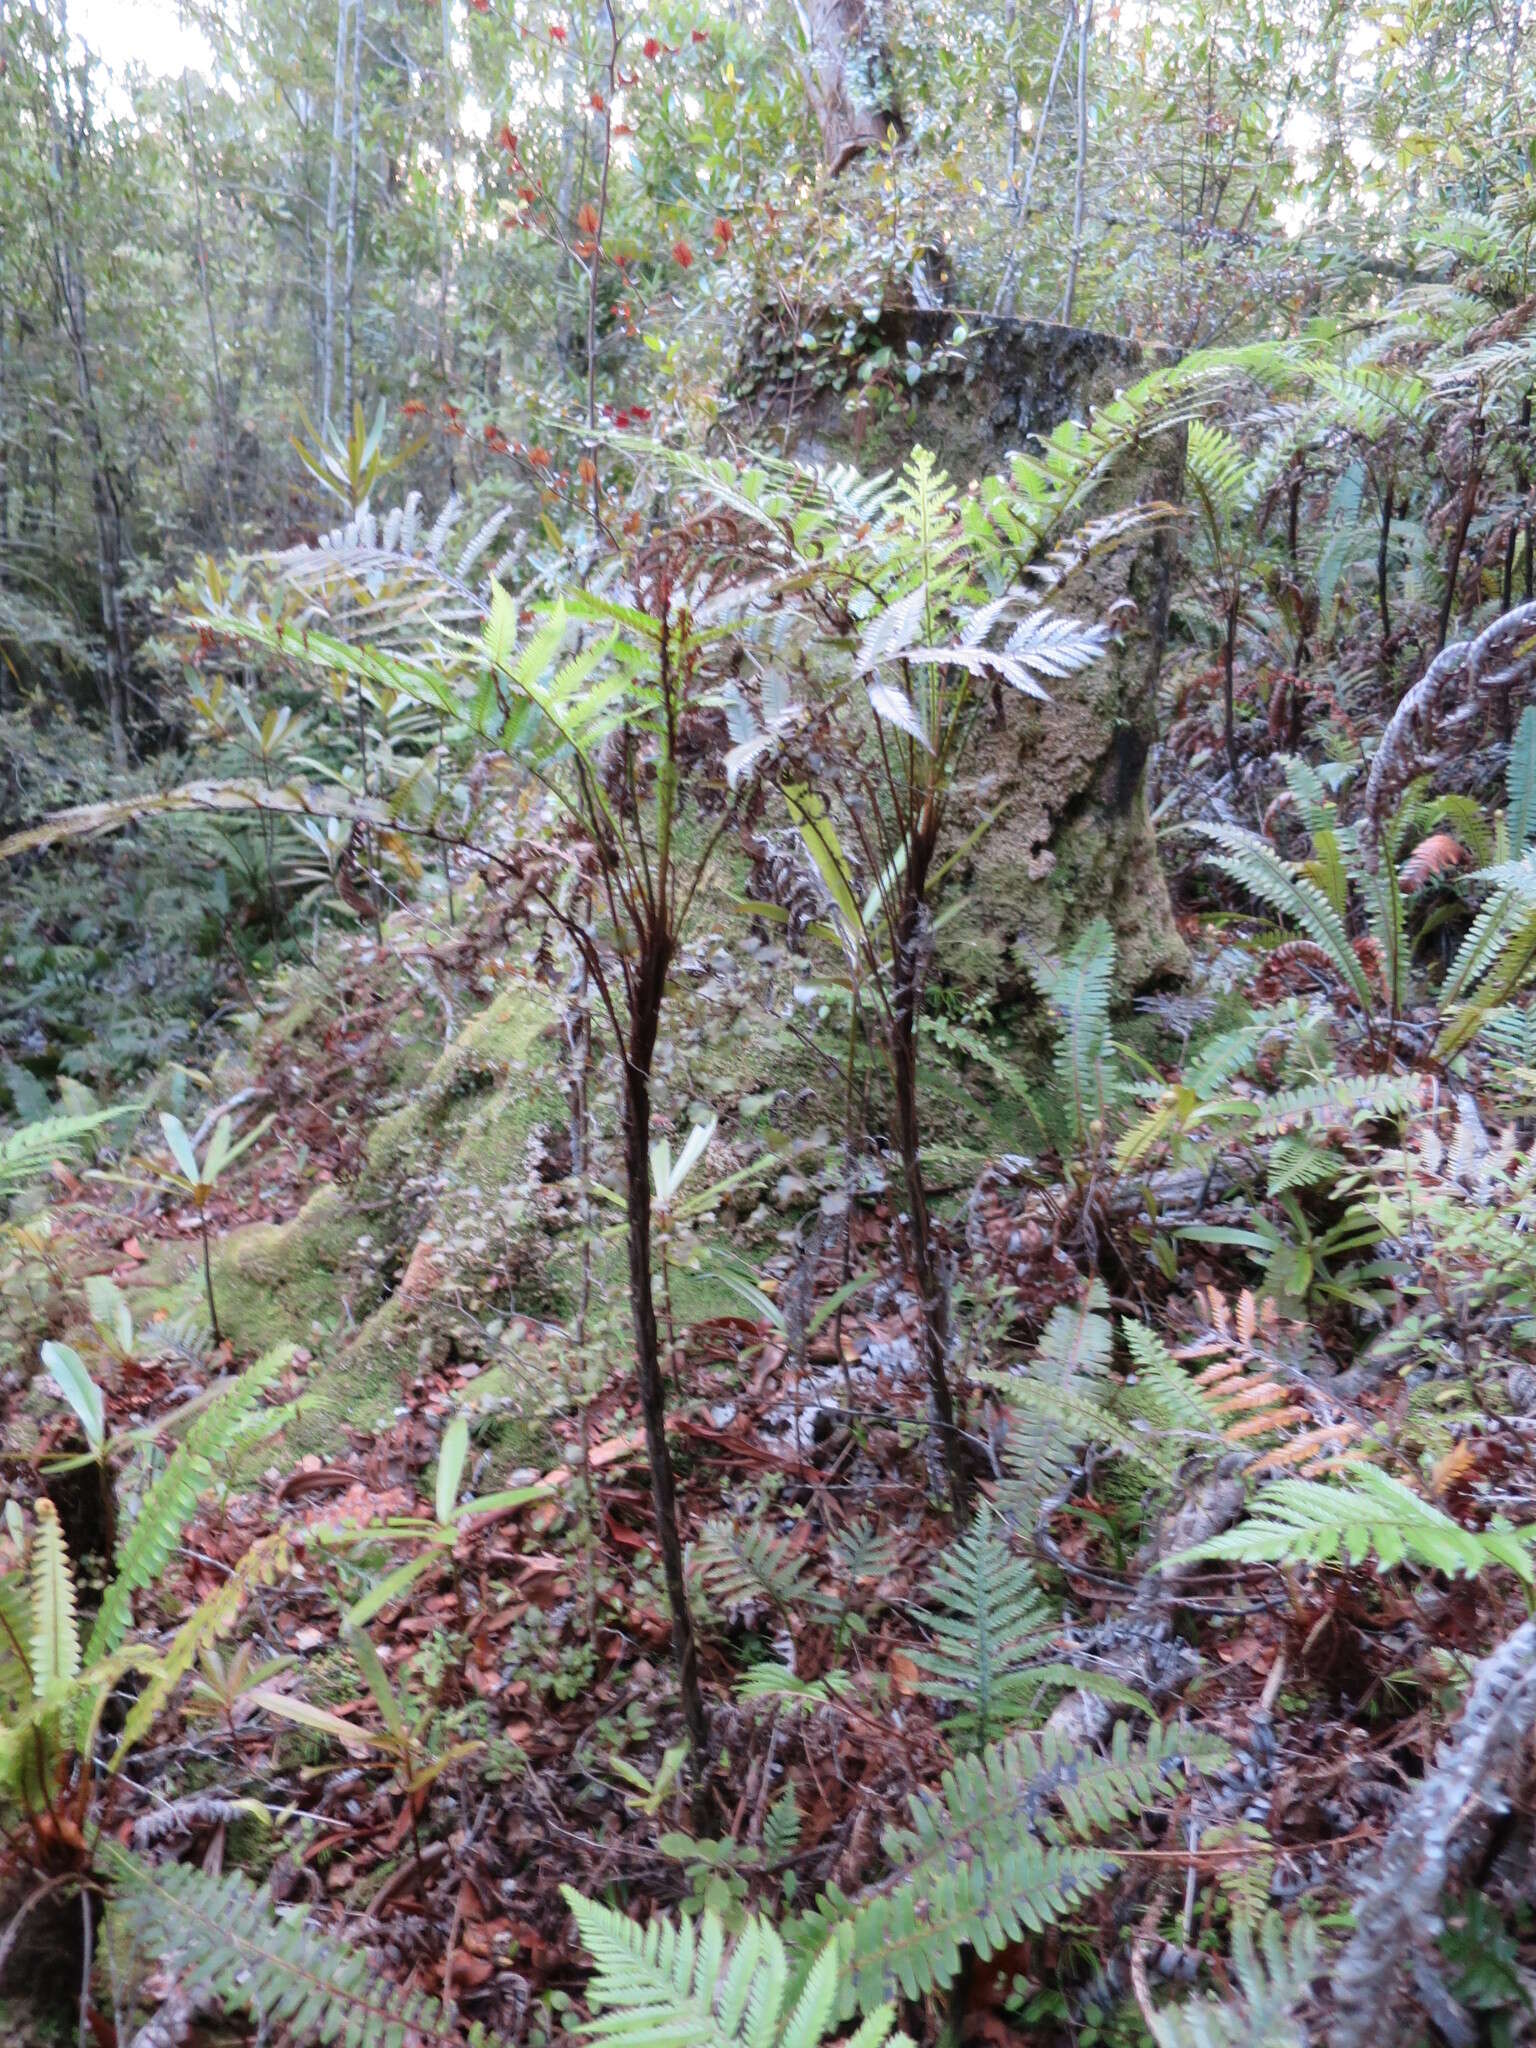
(767, 1068)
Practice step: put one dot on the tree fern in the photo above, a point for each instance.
(223, 1936)
(1367, 1515)
(172, 1500)
(682, 1984)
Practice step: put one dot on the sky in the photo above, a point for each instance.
(147, 32)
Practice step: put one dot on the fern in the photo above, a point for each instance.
(1062, 1402)
(1251, 862)
(1274, 1979)
(228, 1940)
(987, 1860)
(55, 1639)
(740, 1569)
(1367, 1516)
(172, 1500)
(1078, 991)
(989, 1623)
(682, 1984)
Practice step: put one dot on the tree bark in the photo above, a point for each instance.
(848, 77)
(645, 1019)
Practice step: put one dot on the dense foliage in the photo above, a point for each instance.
(765, 1088)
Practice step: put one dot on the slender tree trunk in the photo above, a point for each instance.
(1464, 512)
(220, 396)
(1084, 29)
(913, 945)
(332, 211)
(565, 199)
(1008, 289)
(349, 288)
(645, 1019)
(1229, 686)
(106, 508)
(450, 118)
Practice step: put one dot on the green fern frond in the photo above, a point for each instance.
(1274, 1979)
(990, 1626)
(741, 1567)
(230, 1941)
(55, 1643)
(1163, 1395)
(172, 1500)
(1078, 991)
(1254, 865)
(987, 1859)
(684, 1984)
(1368, 1516)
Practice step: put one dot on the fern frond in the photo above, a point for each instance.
(1274, 1979)
(741, 1568)
(683, 1984)
(990, 1625)
(987, 1860)
(230, 1941)
(172, 1500)
(1078, 992)
(1254, 865)
(55, 1642)
(1368, 1515)
(1069, 1366)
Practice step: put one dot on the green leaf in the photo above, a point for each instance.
(450, 1465)
(67, 1370)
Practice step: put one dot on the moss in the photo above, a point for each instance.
(293, 1281)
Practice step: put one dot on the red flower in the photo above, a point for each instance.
(539, 457)
(507, 140)
(640, 412)
(586, 220)
(652, 48)
(722, 233)
(598, 103)
(413, 409)
(682, 255)
(557, 34)
(699, 36)
(481, 6)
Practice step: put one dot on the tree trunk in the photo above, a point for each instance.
(1084, 30)
(645, 1019)
(446, 268)
(332, 209)
(349, 288)
(106, 508)
(848, 78)
(914, 944)
(220, 396)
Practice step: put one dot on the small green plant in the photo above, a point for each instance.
(195, 1179)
